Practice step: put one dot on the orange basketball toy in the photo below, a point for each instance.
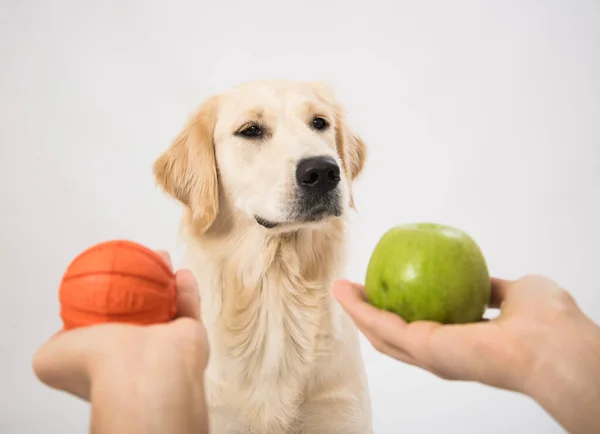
(117, 281)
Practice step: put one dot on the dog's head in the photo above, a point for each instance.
(280, 153)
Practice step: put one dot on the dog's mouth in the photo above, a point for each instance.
(316, 216)
(265, 223)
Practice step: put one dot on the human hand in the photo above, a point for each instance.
(517, 350)
(120, 365)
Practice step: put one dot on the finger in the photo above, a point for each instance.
(166, 257)
(391, 335)
(386, 326)
(385, 348)
(188, 296)
(357, 288)
(500, 291)
(403, 356)
(351, 296)
(396, 337)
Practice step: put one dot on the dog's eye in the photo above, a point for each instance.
(251, 131)
(319, 123)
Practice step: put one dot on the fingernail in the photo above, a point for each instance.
(165, 256)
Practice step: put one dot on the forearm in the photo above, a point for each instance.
(136, 406)
(568, 385)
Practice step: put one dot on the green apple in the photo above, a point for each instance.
(428, 271)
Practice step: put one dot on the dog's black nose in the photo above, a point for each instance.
(318, 174)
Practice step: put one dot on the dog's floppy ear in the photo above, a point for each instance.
(350, 146)
(187, 170)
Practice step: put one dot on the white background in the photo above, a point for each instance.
(480, 114)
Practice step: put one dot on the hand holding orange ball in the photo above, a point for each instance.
(136, 363)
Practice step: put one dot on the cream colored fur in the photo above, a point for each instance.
(284, 357)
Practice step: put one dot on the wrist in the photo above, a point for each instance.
(147, 402)
(148, 391)
(565, 374)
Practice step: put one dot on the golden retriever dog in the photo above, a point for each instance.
(264, 172)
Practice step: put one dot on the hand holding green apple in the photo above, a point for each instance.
(427, 287)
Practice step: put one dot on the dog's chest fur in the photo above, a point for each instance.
(268, 310)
